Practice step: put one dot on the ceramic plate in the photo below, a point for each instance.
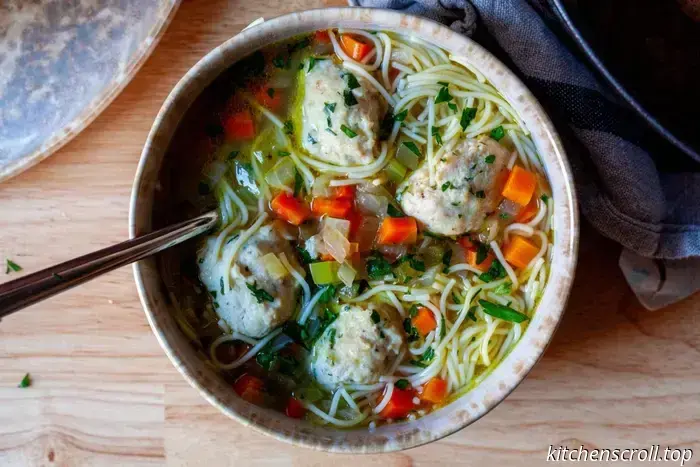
(62, 63)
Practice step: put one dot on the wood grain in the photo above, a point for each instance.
(105, 394)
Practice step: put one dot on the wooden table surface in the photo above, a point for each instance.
(104, 392)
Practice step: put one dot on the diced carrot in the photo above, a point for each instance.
(240, 126)
(520, 186)
(269, 97)
(289, 208)
(294, 408)
(354, 47)
(520, 251)
(424, 321)
(327, 257)
(345, 191)
(528, 212)
(322, 36)
(400, 404)
(466, 243)
(354, 248)
(434, 390)
(397, 230)
(485, 265)
(333, 207)
(249, 388)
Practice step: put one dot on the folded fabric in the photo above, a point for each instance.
(621, 190)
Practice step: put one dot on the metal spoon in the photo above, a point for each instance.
(33, 288)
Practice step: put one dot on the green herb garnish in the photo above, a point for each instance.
(271, 92)
(498, 133)
(443, 95)
(482, 252)
(503, 312)
(378, 266)
(312, 62)
(412, 332)
(260, 295)
(26, 382)
(544, 198)
(375, 317)
(352, 81)
(413, 148)
(480, 194)
(413, 311)
(305, 256)
(311, 139)
(221, 285)
(298, 183)
(447, 259)
(401, 116)
(288, 127)
(349, 98)
(452, 106)
(401, 384)
(468, 114)
(328, 294)
(446, 185)
(471, 313)
(11, 266)
(496, 271)
(490, 159)
(503, 289)
(436, 134)
(348, 132)
(283, 153)
(393, 211)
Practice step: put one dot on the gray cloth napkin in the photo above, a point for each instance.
(627, 188)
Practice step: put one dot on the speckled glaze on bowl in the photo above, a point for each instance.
(459, 413)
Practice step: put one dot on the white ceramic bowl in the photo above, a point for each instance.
(459, 413)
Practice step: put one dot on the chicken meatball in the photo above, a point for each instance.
(340, 124)
(467, 188)
(257, 302)
(358, 347)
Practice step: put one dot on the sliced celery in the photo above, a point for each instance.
(396, 171)
(281, 174)
(325, 272)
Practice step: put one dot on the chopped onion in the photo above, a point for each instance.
(274, 266)
(511, 208)
(341, 225)
(346, 274)
(338, 246)
(368, 203)
(281, 175)
(321, 186)
(367, 232)
(428, 276)
(393, 251)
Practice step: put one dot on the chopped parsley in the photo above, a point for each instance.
(327, 294)
(482, 252)
(298, 183)
(331, 132)
(401, 384)
(428, 233)
(288, 127)
(446, 185)
(221, 285)
(283, 153)
(312, 62)
(412, 147)
(302, 44)
(352, 81)
(305, 256)
(471, 313)
(490, 159)
(378, 266)
(329, 108)
(375, 317)
(393, 211)
(311, 139)
(443, 328)
(281, 61)
(496, 271)
(452, 106)
(456, 299)
(436, 134)
(443, 83)
(413, 261)
(544, 198)
(410, 330)
(447, 259)
(232, 155)
(413, 311)
(26, 382)
(271, 92)
(349, 98)
(11, 266)
(260, 295)
(427, 356)
(386, 126)
(480, 194)
(468, 114)
(443, 95)
(503, 312)
(348, 131)
(504, 215)
(401, 116)
(498, 133)
(331, 337)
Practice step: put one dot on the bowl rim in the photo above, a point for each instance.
(566, 223)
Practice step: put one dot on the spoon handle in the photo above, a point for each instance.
(32, 288)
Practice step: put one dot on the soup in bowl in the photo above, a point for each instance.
(397, 230)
